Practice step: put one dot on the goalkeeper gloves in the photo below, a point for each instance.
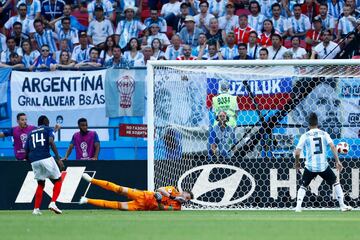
(158, 196)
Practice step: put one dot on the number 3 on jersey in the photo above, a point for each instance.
(318, 145)
(36, 139)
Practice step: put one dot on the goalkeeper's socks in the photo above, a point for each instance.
(39, 195)
(107, 185)
(339, 194)
(300, 197)
(104, 203)
(56, 190)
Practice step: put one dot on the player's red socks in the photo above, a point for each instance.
(56, 190)
(39, 194)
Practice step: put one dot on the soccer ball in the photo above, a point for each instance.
(342, 147)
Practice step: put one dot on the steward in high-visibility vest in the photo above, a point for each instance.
(225, 102)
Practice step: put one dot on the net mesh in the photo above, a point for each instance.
(248, 163)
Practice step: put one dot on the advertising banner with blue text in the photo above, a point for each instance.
(64, 96)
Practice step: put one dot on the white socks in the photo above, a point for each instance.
(339, 194)
(300, 197)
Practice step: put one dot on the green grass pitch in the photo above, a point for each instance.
(197, 225)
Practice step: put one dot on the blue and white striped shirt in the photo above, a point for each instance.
(29, 60)
(27, 24)
(229, 53)
(171, 53)
(314, 143)
(218, 8)
(299, 25)
(335, 10)
(127, 30)
(47, 37)
(32, 9)
(256, 22)
(345, 25)
(281, 25)
(71, 36)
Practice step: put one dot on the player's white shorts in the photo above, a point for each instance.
(46, 168)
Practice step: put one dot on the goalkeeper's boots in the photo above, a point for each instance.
(345, 208)
(36, 211)
(54, 208)
(83, 200)
(86, 177)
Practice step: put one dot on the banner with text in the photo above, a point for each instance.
(64, 96)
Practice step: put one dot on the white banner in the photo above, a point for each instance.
(63, 96)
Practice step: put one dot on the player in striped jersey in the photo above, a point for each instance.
(314, 143)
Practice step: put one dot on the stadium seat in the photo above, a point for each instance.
(287, 43)
(145, 14)
(242, 11)
(302, 43)
(82, 17)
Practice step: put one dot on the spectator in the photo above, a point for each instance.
(3, 46)
(263, 54)
(28, 54)
(148, 54)
(134, 56)
(179, 22)
(66, 32)
(74, 23)
(153, 4)
(190, 34)
(128, 28)
(326, 49)
(266, 32)
(117, 61)
(242, 32)
(230, 20)
(280, 22)
(256, 18)
(335, 7)
(347, 22)
(170, 10)
(17, 34)
(86, 143)
(253, 47)
(107, 53)
(230, 50)
(11, 48)
(154, 33)
(175, 49)
(227, 103)
(26, 23)
(186, 53)
(65, 60)
(107, 7)
(266, 7)
(286, 7)
(33, 8)
(288, 55)
(44, 37)
(353, 11)
(194, 6)
(156, 48)
(154, 18)
(93, 61)
(310, 8)
(212, 54)
(313, 35)
(242, 48)
(328, 21)
(52, 9)
(45, 61)
(352, 46)
(64, 46)
(297, 51)
(299, 24)
(214, 34)
(276, 50)
(99, 28)
(81, 52)
(15, 61)
(202, 19)
(217, 7)
(202, 43)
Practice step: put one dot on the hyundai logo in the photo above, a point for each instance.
(204, 184)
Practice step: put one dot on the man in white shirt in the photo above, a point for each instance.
(107, 7)
(170, 10)
(315, 142)
(175, 49)
(99, 28)
(202, 20)
(27, 24)
(230, 20)
(326, 49)
(276, 50)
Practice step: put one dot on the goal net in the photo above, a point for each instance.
(226, 130)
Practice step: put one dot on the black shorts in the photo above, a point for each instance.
(328, 175)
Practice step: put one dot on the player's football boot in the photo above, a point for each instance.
(83, 200)
(345, 208)
(36, 211)
(54, 208)
(86, 177)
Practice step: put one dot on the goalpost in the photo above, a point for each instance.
(250, 165)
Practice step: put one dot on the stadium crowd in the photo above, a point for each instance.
(52, 34)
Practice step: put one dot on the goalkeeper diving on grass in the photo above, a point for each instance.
(165, 198)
